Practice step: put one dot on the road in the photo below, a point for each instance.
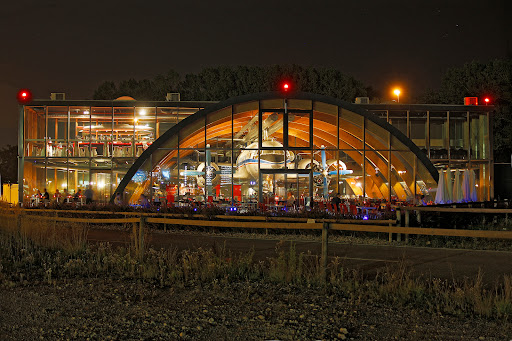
(432, 262)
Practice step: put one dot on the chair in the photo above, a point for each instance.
(344, 209)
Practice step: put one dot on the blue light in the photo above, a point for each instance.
(195, 209)
(365, 217)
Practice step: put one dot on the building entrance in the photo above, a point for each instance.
(277, 186)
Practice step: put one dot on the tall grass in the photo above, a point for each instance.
(39, 251)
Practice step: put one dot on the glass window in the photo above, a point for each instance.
(193, 135)
(57, 131)
(272, 129)
(166, 119)
(418, 129)
(298, 130)
(479, 136)
(145, 126)
(245, 125)
(459, 136)
(438, 136)
(218, 129)
(350, 130)
(35, 131)
(325, 126)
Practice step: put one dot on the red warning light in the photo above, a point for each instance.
(24, 96)
(487, 100)
(286, 86)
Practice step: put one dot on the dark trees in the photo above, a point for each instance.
(9, 163)
(219, 83)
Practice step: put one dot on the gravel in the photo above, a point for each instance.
(100, 309)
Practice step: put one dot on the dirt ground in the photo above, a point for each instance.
(129, 310)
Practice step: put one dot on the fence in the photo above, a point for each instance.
(139, 221)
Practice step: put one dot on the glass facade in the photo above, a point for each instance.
(70, 145)
(257, 151)
(453, 137)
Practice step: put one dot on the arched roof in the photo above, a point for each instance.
(172, 132)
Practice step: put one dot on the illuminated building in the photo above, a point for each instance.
(251, 148)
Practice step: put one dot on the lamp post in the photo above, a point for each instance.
(397, 93)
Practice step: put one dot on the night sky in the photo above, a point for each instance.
(73, 46)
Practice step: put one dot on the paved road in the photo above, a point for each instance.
(440, 263)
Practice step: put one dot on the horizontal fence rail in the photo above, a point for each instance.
(284, 223)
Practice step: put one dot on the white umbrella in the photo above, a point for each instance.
(472, 185)
(440, 194)
(457, 189)
(466, 189)
(449, 186)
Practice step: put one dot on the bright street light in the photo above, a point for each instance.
(397, 93)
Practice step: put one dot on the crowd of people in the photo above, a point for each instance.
(62, 198)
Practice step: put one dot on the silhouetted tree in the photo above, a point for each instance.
(9, 164)
(219, 83)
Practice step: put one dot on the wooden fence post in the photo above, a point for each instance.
(141, 235)
(398, 223)
(390, 238)
(18, 221)
(325, 244)
(406, 225)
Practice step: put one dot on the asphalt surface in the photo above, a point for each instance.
(443, 263)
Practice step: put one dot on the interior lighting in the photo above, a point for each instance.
(358, 184)
(142, 112)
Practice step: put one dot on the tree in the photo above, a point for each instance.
(493, 79)
(9, 164)
(220, 83)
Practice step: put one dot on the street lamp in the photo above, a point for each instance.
(397, 93)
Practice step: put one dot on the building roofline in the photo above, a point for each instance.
(115, 103)
(428, 107)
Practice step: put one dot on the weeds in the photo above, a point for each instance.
(35, 250)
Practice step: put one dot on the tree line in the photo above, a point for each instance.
(220, 83)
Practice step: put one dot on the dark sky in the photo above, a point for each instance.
(72, 46)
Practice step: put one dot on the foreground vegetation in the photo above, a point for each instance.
(40, 252)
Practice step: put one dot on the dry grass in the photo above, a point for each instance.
(35, 250)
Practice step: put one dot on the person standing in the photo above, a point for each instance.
(336, 201)
(88, 195)
(46, 197)
(118, 201)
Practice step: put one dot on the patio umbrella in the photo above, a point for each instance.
(472, 185)
(449, 186)
(440, 194)
(457, 188)
(466, 189)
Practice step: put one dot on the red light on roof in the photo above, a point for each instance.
(286, 86)
(486, 100)
(24, 96)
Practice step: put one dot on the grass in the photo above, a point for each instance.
(37, 251)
